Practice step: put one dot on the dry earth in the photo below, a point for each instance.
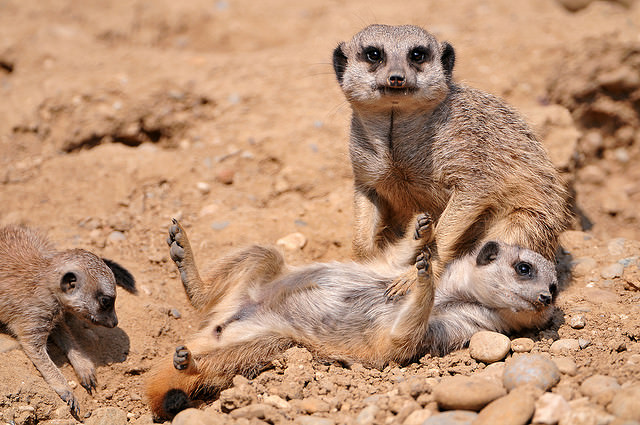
(119, 115)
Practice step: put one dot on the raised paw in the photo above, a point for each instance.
(175, 242)
(181, 358)
(423, 262)
(424, 226)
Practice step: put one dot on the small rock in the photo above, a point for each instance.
(203, 187)
(616, 247)
(522, 345)
(277, 402)
(292, 242)
(549, 408)
(564, 344)
(219, 225)
(493, 371)
(597, 384)
(254, 411)
(584, 343)
(455, 417)
(585, 414)
(175, 313)
(414, 386)
(195, 417)
(107, 416)
(312, 405)
(225, 175)
(237, 397)
(208, 210)
(466, 393)
(367, 416)
(566, 365)
(612, 271)
(313, 420)
(116, 236)
(516, 408)
(417, 417)
(489, 347)
(577, 321)
(625, 403)
(530, 369)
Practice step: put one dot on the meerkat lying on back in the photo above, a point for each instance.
(255, 307)
(39, 285)
(421, 142)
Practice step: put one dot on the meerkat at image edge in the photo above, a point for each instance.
(422, 142)
(40, 285)
(254, 307)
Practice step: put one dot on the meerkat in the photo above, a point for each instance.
(40, 285)
(254, 307)
(422, 142)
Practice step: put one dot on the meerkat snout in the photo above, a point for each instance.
(396, 80)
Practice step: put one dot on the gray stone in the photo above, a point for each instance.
(564, 345)
(577, 322)
(367, 416)
(489, 347)
(549, 408)
(455, 417)
(516, 408)
(616, 247)
(530, 369)
(219, 225)
(417, 417)
(107, 416)
(597, 384)
(466, 393)
(584, 343)
(116, 236)
(625, 403)
(522, 345)
(612, 271)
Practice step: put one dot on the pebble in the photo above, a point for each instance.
(597, 384)
(7, 343)
(107, 416)
(219, 225)
(564, 344)
(417, 417)
(292, 242)
(312, 405)
(583, 266)
(367, 416)
(566, 365)
(195, 417)
(584, 343)
(522, 345)
(549, 408)
(612, 271)
(516, 408)
(625, 403)
(203, 187)
(313, 420)
(530, 369)
(466, 393)
(208, 210)
(116, 236)
(255, 411)
(583, 414)
(455, 417)
(577, 321)
(225, 175)
(489, 347)
(277, 402)
(616, 247)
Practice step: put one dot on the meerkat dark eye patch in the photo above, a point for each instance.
(68, 282)
(488, 253)
(372, 54)
(420, 55)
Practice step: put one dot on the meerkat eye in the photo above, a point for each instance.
(523, 269)
(106, 302)
(420, 55)
(373, 55)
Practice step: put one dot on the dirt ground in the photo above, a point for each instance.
(119, 115)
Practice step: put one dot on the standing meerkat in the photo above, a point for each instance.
(254, 307)
(40, 285)
(421, 142)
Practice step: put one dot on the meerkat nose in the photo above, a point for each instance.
(545, 297)
(396, 80)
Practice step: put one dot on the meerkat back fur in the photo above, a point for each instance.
(40, 285)
(255, 307)
(422, 142)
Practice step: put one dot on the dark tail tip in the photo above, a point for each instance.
(123, 277)
(175, 401)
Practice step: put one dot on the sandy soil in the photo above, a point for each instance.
(119, 115)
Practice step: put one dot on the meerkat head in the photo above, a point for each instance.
(518, 281)
(386, 66)
(87, 285)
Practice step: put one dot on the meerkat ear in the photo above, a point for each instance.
(488, 253)
(68, 282)
(448, 58)
(123, 277)
(339, 62)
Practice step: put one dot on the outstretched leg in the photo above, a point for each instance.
(405, 251)
(181, 254)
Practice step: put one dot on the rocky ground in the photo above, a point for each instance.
(119, 115)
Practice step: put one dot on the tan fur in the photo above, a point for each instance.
(39, 286)
(427, 143)
(255, 307)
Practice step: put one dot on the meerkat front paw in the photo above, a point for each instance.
(424, 227)
(423, 262)
(181, 358)
(175, 240)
